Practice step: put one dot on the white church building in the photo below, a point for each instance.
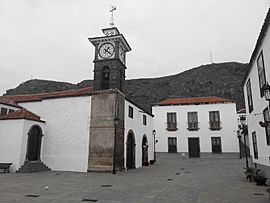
(196, 126)
(89, 129)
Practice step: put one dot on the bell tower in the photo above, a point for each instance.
(106, 147)
(110, 60)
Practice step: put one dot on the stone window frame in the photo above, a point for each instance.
(130, 112)
(144, 120)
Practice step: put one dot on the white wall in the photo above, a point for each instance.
(136, 125)
(66, 140)
(14, 136)
(259, 104)
(228, 133)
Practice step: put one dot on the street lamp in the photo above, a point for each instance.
(116, 123)
(266, 91)
(239, 139)
(154, 134)
(245, 133)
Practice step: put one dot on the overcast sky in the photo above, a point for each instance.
(48, 39)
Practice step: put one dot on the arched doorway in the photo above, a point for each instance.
(130, 158)
(34, 143)
(145, 151)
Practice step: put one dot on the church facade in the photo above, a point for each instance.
(90, 129)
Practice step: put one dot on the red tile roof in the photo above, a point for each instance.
(51, 95)
(242, 111)
(193, 100)
(9, 102)
(21, 114)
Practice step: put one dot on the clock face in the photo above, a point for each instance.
(106, 50)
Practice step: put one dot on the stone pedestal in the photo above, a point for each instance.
(106, 148)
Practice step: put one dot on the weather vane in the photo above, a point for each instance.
(112, 8)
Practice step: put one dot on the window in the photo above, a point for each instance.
(3, 111)
(192, 120)
(171, 122)
(261, 71)
(249, 96)
(130, 112)
(267, 128)
(214, 120)
(144, 119)
(10, 111)
(255, 147)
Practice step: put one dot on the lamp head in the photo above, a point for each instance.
(266, 91)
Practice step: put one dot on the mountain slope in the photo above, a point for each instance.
(223, 80)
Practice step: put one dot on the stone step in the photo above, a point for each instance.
(33, 166)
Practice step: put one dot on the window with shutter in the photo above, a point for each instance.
(249, 96)
(261, 72)
(192, 121)
(214, 120)
(171, 121)
(255, 146)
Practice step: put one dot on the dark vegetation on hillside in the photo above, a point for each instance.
(222, 80)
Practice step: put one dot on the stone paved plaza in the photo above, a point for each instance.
(172, 179)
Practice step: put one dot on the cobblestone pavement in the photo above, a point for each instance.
(171, 179)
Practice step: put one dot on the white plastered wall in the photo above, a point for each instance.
(136, 125)
(66, 141)
(228, 132)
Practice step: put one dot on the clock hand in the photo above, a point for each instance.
(107, 50)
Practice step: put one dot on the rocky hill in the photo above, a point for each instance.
(223, 80)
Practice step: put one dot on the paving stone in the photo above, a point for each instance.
(210, 180)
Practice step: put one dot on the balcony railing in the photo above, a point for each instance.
(171, 126)
(193, 126)
(215, 125)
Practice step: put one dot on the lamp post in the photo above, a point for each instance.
(116, 123)
(154, 134)
(244, 132)
(240, 148)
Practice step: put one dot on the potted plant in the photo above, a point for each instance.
(259, 179)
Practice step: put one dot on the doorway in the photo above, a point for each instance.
(172, 144)
(130, 158)
(34, 143)
(194, 147)
(216, 144)
(145, 151)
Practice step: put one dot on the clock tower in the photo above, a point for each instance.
(106, 147)
(110, 60)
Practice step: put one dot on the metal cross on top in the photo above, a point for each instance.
(113, 8)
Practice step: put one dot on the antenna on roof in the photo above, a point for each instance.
(211, 58)
(112, 8)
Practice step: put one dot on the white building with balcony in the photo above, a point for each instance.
(195, 126)
(256, 104)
